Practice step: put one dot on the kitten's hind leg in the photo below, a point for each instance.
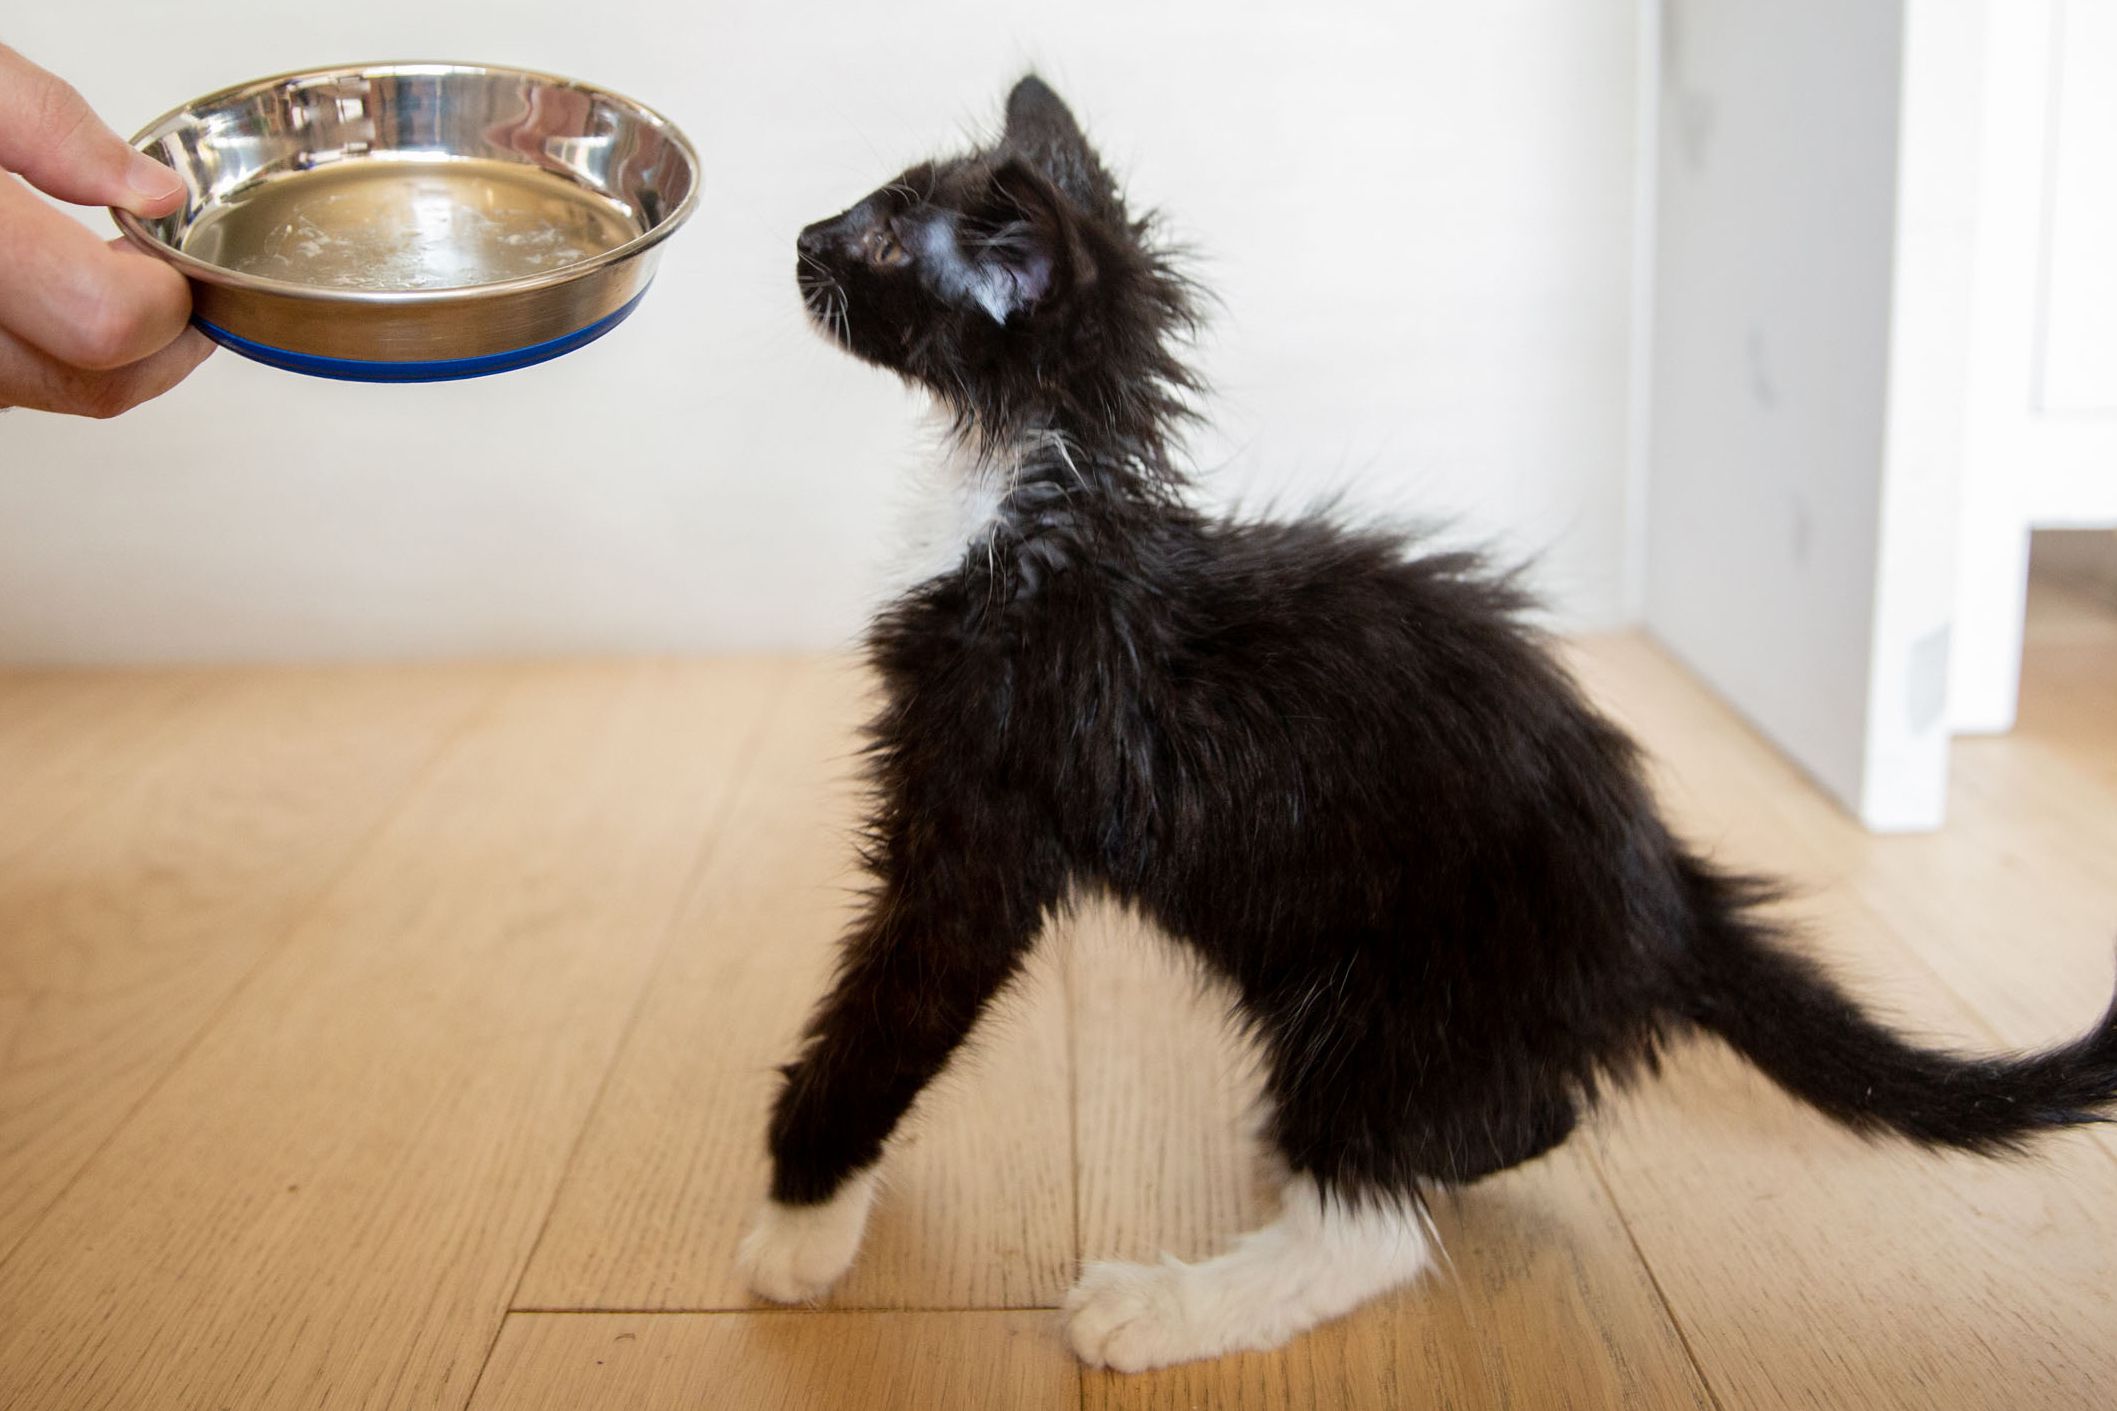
(1324, 1256)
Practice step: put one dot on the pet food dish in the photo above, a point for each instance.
(415, 222)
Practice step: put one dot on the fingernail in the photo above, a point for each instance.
(151, 179)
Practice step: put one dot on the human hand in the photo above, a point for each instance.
(84, 328)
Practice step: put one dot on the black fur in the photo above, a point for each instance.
(1344, 773)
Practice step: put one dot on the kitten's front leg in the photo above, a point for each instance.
(918, 970)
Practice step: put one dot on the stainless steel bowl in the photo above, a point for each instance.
(414, 222)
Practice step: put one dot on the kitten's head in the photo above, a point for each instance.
(1010, 282)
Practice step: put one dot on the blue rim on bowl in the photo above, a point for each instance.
(439, 370)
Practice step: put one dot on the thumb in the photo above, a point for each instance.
(53, 140)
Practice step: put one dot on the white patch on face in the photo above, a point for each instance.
(957, 278)
(1316, 1262)
(999, 287)
(794, 1253)
(949, 511)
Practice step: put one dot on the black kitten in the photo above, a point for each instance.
(1345, 775)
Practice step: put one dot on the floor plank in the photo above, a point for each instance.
(1808, 1268)
(780, 1361)
(338, 1188)
(195, 846)
(66, 737)
(977, 1209)
(1804, 1265)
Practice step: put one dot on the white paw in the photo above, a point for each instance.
(794, 1253)
(1130, 1317)
(1319, 1260)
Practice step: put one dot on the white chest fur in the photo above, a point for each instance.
(948, 509)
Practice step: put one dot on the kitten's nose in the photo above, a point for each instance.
(815, 239)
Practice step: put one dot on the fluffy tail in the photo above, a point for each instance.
(1782, 1013)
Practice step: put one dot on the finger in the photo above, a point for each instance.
(77, 299)
(30, 377)
(50, 135)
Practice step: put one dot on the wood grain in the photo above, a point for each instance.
(336, 1191)
(780, 1361)
(67, 736)
(1805, 1265)
(1807, 1268)
(977, 1207)
(191, 849)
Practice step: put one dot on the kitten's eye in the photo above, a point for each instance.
(884, 250)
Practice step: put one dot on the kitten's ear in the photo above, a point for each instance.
(1041, 128)
(1037, 253)
(1037, 118)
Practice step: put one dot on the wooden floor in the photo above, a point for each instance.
(402, 1038)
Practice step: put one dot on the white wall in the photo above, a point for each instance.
(1418, 216)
